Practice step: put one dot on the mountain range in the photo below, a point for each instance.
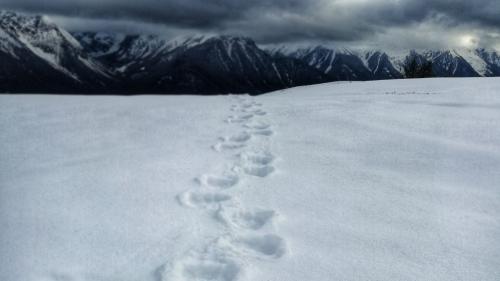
(38, 56)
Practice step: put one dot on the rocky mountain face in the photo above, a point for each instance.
(345, 64)
(197, 64)
(37, 56)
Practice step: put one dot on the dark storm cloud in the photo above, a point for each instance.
(484, 12)
(183, 13)
(286, 20)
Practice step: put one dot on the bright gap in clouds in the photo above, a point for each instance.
(468, 41)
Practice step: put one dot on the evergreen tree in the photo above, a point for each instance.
(414, 69)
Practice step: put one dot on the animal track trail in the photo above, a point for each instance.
(256, 163)
(266, 133)
(239, 118)
(207, 270)
(258, 128)
(234, 119)
(258, 125)
(223, 146)
(241, 137)
(256, 245)
(202, 199)
(250, 105)
(246, 105)
(222, 181)
(257, 157)
(258, 112)
(261, 171)
(210, 265)
(232, 142)
(248, 232)
(268, 245)
(245, 219)
(246, 116)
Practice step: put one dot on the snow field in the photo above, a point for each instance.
(363, 181)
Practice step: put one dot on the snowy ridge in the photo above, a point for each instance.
(8, 44)
(212, 64)
(39, 35)
(339, 63)
(24, 36)
(202, 64)
(365, 64)
(189, 41)
(472, 57)
(398, 61)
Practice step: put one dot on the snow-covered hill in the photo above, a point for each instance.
(383, 180)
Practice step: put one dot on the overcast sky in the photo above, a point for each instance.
(354, 23)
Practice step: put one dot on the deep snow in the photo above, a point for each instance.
(383, 180)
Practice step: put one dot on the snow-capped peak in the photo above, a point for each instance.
(188, 41)
(39, 36)
(36, 30)
(191, 41)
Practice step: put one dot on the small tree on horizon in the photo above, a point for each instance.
(413, 69)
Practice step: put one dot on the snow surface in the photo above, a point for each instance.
(383, 180)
